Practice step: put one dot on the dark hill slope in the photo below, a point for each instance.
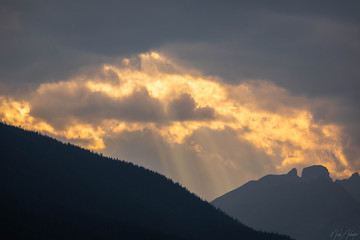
(51, 190)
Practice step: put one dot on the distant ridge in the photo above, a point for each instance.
(308, 207)
(52, 190)
(352, 185)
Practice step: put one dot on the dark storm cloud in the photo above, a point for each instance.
(61, 103)
(184, 108)
(292, 43)
(309, 56)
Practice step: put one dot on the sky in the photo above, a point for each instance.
(211, 94)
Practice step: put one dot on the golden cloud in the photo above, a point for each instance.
(150, 91)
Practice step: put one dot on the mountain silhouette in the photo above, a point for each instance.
(52, 190)
(352, 185)
(308, 207)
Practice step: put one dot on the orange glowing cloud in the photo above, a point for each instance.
(152, 92)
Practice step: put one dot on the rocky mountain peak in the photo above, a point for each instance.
(315, 172)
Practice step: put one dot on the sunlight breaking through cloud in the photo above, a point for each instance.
(150, 92)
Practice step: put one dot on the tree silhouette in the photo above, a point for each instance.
(52, 190)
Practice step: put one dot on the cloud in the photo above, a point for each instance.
(61, 103)
(184, 108)
(197, 129)
(91, 100)
(307, 48)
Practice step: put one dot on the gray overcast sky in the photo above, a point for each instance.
(309, 48)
